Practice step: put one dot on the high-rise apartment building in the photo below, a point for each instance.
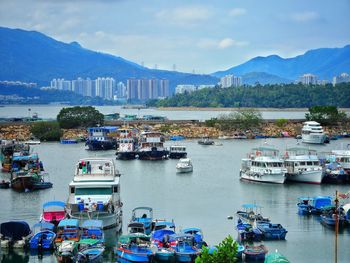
(344, 77)
(308, 79)
(230, 81)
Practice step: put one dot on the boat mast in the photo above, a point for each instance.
(336, 227)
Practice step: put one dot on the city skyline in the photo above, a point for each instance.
(187, 35)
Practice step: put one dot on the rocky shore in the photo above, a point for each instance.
(189, 130)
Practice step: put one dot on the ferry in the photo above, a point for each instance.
(263, 165)
(94, 193)
(303, 165)
(312, 132)
(126, 145)
(151, 146)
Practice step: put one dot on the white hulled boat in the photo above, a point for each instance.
(343, 158)
(263, 165)
(184, 165)
(312, 132)
(303, 165)
(94, 192)
(151, 146)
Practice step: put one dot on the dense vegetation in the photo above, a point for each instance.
(46, 131)
(276, 96)
(225, 252)
(326, 115)
(75, 117)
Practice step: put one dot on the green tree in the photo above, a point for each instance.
(75, 117)
(281, 122)
(225, 252)
(326, 115)
(46, 131)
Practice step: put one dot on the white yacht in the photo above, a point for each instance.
(94, 192)
(303, 165)
(312, 132)
(184, 165)
(263, 165)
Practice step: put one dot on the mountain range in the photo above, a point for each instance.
(31, 56)
(325, 63)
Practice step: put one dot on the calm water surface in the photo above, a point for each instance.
(203, 198)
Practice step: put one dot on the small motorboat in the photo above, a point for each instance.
(250, 214)
(255, 253)
(4, 184)
(272, 231)
(43, 236)
(143, 215)
(92, 229)
(90, 254)
(15, 234)
(314, 205)
(67, 229)
(135, 248)
(184, 246)
(205, 141)
(53, 212)
(248, 233)
(184, 166)
(197, 234)
(331, 215)
(160, 238)
(67, 251)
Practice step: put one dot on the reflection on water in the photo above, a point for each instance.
(202, 199)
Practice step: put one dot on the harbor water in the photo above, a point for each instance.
(203, 198)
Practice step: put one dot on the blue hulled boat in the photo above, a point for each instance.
(307, 205)
(331, 214)
(272, 231)
(184, 246)
(100, 138)
(197, 234)
(92, 229)
(43, 236)
(255, 253)
(250, 213)
(144, 216)
(248, 233)
(135, 248)
(90, 254)
(160, 238)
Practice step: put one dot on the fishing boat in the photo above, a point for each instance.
(184, 246)
(44, 236)
(312, 132)
(331, 214)
(303, 166)
(272, 231)
(343, 158)
(14, 234)
(151, 146)
(251, 213)
(205, 141)
(263, 165)
(90, 254)
(246, 232)
(67, 229)
(25, 181)
(53, 212)
(334, 173)
(135, 248)
(100, 138)
(184, 166)
(4, 184)
(67, 251)
(314, 205)
(142, 216)
(126, 149)
(255, 253)
(7, 149)
(92, 231)
(160, 238)
(197, 234)
(177, 152)
(94, 192)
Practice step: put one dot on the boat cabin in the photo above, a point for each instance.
(101, 133)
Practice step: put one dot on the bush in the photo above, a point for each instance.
(225, 252)
(46, 131)
(326, 115)
(75, 117)
(281, 122)
(243, 119)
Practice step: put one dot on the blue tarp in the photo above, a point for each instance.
(69, 222)
(15, 229)
(165, 223)
(92, 224)
(159, 234)
(321, 201)
(54, 203)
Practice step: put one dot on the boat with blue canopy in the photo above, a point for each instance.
(135, 248)
(44, 236)
(67, 229)
(246, 232)
(53, 212)
(160, 238)
(314, 205)
(272, 231)
(197, 234)
(92, 229)
(251, 213)
(143, 215)
(14, 234)
(100, 138)
(184, 246)
(90, 254)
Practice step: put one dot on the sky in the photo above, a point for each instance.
(190, 36)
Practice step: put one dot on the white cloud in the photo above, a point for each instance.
(305, 16)
(188, 15)
(228, 42)
(210, 43)
(237, 12)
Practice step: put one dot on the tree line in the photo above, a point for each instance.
(275, 96)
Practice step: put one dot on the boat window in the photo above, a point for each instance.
(296, 164)
(93, 191)
(302, 163)
(309, 163)
(316, 163)
(115, 189)
(72, 190)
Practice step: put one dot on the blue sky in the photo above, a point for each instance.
(204, 36)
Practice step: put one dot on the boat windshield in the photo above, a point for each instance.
(274, 164)
(93, 191)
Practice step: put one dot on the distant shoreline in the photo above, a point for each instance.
(237, 109)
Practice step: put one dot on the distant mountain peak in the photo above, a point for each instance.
(75, 44)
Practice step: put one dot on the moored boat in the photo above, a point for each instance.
(206, 141)
(90, 254)
(276, 258)
(15, 234)
(43, 237)
(151, 146)
(184, 166)
(53, 212)
(94, 192)
(69, 141)
(67, 251)
(67, 229)
(197, 234)
(272, 231)
(100, 138)
(314, 205)
(246, 232)
(184, 246)
(126, 149)
(312, 132)
(142, 215)
(303, 166)
(255, 253)
(251, 213)
(263, 165)
(177, 152)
